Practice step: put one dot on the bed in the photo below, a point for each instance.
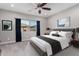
(47, 45)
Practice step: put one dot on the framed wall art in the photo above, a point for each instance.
(6, 25)
(63, 22)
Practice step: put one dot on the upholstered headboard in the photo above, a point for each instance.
(66, 29)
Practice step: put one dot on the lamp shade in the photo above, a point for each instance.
(47, 28)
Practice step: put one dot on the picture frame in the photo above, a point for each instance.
(6, 25)
(63, 22)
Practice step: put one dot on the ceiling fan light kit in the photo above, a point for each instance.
(39, 11)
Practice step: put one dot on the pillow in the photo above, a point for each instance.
(53, 32)
(66, 34)
(57, 35)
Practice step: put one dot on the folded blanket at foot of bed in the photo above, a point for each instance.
(55, 45)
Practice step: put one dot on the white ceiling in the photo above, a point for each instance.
(29, 8)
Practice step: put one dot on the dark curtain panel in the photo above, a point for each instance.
(38, 28)
(18, 30)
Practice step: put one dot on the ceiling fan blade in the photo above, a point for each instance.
(46, 8)
(41, 5)
(39, 11)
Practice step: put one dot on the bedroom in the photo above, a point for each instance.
(28, 20)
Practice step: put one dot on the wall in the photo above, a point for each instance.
(72, 12)
(9, 36)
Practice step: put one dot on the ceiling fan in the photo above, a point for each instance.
(41, 6)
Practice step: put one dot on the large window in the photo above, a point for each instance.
(33, 26)
(28, 25)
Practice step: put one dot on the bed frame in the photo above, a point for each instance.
(42, 53)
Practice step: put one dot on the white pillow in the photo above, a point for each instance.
(53, 32)
(66, 34)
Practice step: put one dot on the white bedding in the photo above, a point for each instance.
(46, 47)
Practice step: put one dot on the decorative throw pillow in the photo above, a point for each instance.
(57, 35)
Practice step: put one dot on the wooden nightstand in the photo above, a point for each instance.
(75, 43)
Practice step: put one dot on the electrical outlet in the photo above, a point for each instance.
(8, 38)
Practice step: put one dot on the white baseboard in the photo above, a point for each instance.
(4, 43)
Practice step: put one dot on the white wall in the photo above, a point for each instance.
(72, 12)
(9, 36)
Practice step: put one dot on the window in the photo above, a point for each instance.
(28, 25)
(33, 25)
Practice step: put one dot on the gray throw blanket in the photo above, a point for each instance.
(55, 45)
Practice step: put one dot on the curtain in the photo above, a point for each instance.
(38, 28)
(18, 30)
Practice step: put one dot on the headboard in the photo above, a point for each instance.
(66, 29)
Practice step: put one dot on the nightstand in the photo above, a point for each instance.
(75, 43)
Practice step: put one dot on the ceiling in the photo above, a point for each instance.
(29, 8)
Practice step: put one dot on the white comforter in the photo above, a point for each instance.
(46, 47)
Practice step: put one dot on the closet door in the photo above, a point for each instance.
(18, 30)
(38, 28)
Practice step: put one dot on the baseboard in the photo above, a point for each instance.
(4, 43)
